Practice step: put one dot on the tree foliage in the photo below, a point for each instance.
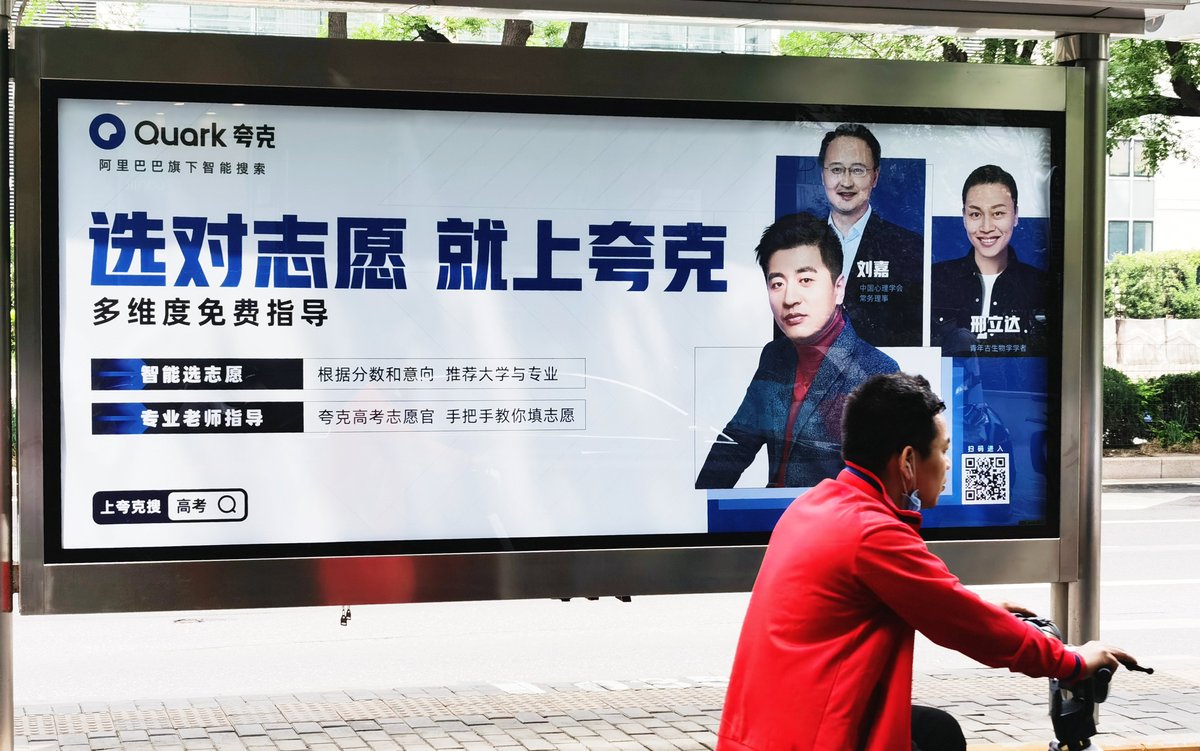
(1153, 285)
(1151, 83)
(912, 47)
(877, 46)
(405, 27)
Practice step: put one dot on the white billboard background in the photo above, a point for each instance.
(627, 467)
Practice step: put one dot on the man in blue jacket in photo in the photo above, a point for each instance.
(793, 405)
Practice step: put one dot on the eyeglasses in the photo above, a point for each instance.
(857, 171)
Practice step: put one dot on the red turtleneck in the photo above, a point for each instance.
(810, 353)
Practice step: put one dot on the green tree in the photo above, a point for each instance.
(1153, 285)
(513, 32)
(27, 11)
(1152, 83)
(911, 47)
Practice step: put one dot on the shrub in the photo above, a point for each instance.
(1122, 410)
(1172, 433)
(1174, 398)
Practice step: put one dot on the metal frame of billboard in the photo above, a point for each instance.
(299, 580)
(965, 17)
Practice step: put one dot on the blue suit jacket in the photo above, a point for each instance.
(817, 434)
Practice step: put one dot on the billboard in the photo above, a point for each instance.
(329, 323)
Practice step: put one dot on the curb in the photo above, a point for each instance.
(1178, 466)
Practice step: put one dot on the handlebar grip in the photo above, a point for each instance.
(1100, 682)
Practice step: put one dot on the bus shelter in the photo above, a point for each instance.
(396, 323)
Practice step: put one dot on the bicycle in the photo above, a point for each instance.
(1073, 703)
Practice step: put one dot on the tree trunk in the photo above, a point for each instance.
(337, 24)
(516, 33)
(430, 34)
(952, 53)
(576, 35)
(1185, 89)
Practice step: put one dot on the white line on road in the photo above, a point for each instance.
(1152, 521)
(1150, 548)
(1150, 624)
(1105, 583)
(1149, 582)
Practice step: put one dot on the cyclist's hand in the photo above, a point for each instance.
(1096, 655)
(1016, 609)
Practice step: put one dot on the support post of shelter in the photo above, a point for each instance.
(7, 724)
(1089, 52)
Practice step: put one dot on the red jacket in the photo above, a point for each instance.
(825, 657)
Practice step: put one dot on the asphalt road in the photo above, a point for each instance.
(1150, 604)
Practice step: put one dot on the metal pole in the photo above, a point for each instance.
(1090, 52)
(7, 725)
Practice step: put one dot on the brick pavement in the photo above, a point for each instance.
(996, 708)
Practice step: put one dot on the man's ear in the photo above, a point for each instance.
(908, 458)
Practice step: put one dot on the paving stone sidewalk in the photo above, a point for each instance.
(996, 708)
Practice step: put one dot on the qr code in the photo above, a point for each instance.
(985, 478)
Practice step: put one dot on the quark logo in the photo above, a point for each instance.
(107, 131)
(151, 133)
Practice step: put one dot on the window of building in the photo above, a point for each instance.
(1118, 238)
(1128, 158)
(759, 41)
(288, 22)
(1140, 167)
(228, 20)
(1129, 237)
(603, 35)
(710, 38)
(657, 37)
(1143, 237)
(1118, 161)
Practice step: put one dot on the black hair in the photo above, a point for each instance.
(885, 414)
(852, 130)
(990, 174)
(794, 230)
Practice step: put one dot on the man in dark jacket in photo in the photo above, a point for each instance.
(884, 264)
(989, 301)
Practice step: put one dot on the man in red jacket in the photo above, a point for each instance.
(825, 656)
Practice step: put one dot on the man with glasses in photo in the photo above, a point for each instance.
(883, 262)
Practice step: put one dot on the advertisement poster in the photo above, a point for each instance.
(439, 329)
